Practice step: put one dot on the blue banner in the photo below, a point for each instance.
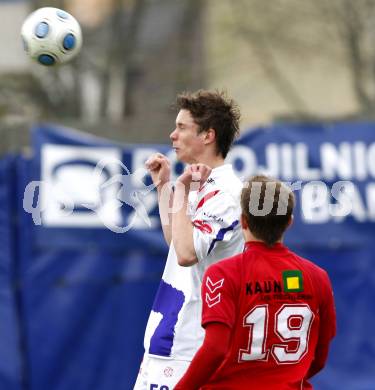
(94, 251)
(11, 362)
(332, 171)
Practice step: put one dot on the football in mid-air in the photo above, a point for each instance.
(51, 36)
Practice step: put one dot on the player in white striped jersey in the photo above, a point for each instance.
(200, 219)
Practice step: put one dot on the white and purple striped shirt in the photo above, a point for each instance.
(174, 327)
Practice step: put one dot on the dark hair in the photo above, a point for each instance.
(213, 110)
(267, 205)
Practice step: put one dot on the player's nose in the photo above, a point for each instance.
(173, 135)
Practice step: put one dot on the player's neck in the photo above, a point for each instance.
(249, 237)
(212, 161)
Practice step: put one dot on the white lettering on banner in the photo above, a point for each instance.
(272, 156)
(304, 172)
(336, 162)
(345, 161)
(360, 171)
(84, 186)
(320, 203)
(287, 161)
(371, 159)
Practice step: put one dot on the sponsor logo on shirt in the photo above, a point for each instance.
(202, 226)
(208, 181)
(213, 297)
(283, 290)
(293, 281)
(263, 287)
(213, 217)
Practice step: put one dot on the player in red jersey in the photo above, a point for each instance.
(268, 314)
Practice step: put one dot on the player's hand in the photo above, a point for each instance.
(194, 176)
(160, 169)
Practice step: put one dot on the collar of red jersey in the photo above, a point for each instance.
(263, 246)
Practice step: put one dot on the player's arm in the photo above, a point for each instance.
(165, 201)
(327, 328)
(159, 167)
(218, 319)
(321, 354)
(182, 227)
(208, 358)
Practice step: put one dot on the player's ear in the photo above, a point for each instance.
(210, 136)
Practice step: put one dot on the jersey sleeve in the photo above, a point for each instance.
(327, 326)
(218, 297)
(215, 220)
(327, 311)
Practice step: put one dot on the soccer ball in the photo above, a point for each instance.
(51, 36)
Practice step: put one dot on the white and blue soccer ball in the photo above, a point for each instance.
(51, 36)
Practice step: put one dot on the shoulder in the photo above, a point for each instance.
(312, 266)
(223, 275)
(229, 266)
(217, 201)
(222, 195)
(225, 180)
(319, 274)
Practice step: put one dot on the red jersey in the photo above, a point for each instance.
(280, 309)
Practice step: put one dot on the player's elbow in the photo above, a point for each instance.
(187, 261)
(186, 256)
(314, 369)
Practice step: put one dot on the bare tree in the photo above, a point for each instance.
(136, 56)
(102, 68)
(356, 28)
(342, 30)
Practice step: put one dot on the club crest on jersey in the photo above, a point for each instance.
(210, 180)
(213, 299)
(168, 372)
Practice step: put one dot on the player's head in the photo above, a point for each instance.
(267, 206)
(215, 115)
